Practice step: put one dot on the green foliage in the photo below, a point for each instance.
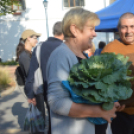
(6, 6)
(107, 105)
(9, 63)
(102, 79)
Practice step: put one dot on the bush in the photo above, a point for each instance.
(4, 77)
(9, 63)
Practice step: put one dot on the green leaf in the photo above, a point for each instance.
(92, 93)
(128, 64)
(129, 93)
(128, 78)
(77, 91)
(5, 6)
(122, 58)
(82, 84)
(109, 79)
(108, 105)
(129, 72)
(101, 85)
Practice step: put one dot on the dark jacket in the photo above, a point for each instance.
(98, 51)
(24, 62)
(47, 47)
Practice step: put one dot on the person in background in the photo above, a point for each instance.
(91, 50)
(124, 123)
(101, 45)
(66, 116)
(46, 49)
(27, 41)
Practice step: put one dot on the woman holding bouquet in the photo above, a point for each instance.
(68, 117)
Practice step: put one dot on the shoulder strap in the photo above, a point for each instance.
(38, 53)
(38, 77)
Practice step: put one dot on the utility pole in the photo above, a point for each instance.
(107, 34)
(45, 3)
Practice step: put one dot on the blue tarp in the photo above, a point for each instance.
(109, 16)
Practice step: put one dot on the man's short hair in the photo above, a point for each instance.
(102, 44)
(127, 15)
(57, 28)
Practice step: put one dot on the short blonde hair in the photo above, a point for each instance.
(79, 17)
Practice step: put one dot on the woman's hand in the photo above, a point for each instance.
(107, 115)
(119, 107)
(33, 101)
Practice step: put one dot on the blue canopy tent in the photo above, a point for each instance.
(109, 16)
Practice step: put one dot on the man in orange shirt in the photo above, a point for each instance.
(124, 122)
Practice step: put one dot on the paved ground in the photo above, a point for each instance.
(13, 108)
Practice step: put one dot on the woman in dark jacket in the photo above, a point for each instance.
(27, 41)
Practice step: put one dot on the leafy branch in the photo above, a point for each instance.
(6, 6)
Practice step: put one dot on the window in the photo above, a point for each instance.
(18, 6)
(73, 3)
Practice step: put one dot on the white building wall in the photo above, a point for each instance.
(34, 18)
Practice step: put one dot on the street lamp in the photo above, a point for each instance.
(45, 3)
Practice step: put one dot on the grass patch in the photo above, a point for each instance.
(5, 78)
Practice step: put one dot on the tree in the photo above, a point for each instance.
(6, 6)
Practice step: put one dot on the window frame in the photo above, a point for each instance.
(74, 4)
(18, 11)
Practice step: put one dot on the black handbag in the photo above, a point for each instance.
(20, 79)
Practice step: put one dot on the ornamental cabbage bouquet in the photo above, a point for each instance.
(102, 79)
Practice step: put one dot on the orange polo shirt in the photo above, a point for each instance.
(126, 50)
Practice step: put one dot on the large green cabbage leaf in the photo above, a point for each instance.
(102, 79)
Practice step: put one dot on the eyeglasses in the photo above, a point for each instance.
(34, 38)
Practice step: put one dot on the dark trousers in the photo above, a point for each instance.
(40, 106)
(123, 124)
(101, 129)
